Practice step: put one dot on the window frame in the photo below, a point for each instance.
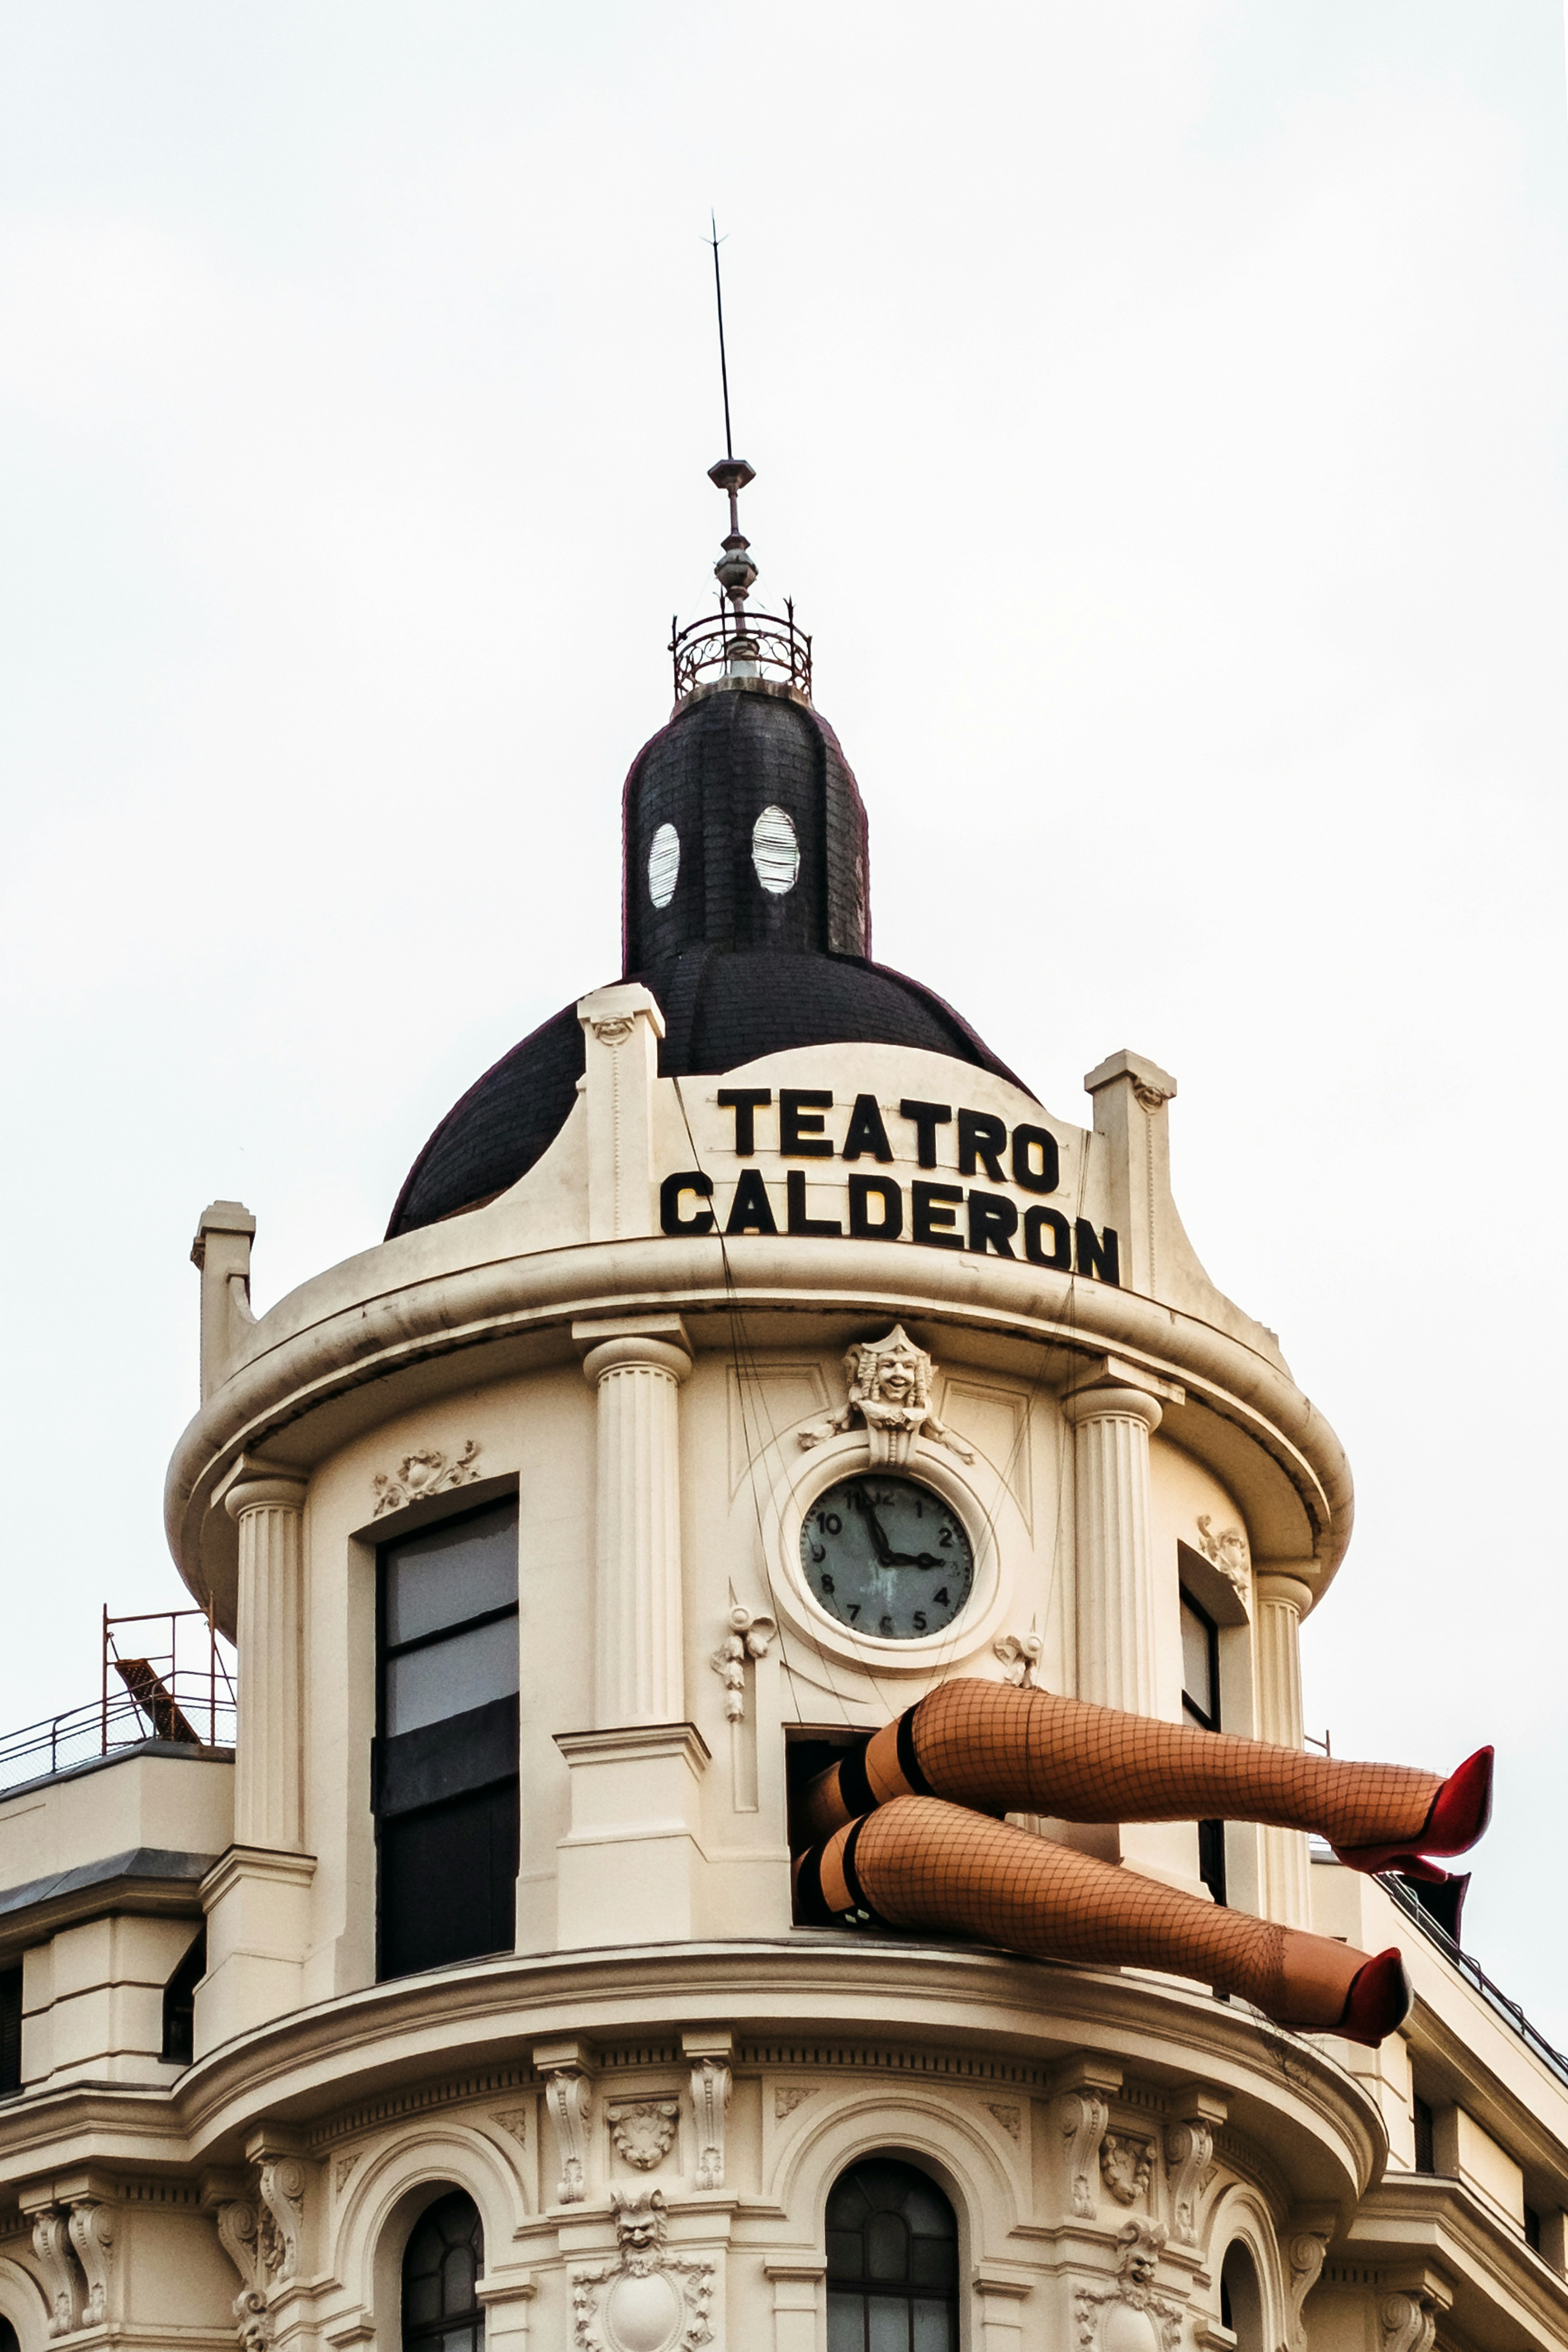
(907, 2292)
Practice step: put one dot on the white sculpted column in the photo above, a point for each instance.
(258, 1899)
(1282, 1600)
(268, 1761)
(631, 1862)
(1116, 1591)
(1115, 1569)
(638, 1634)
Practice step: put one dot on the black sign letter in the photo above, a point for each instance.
(930, 1221)
(993, 1221)
(1037, 1224)
(800, 1129)
(867, 1132)
(671, 1220)
(863, 1190)
(928, 1118)
(980, 1135)
(799, 1223)
(745, 1102)
(1100, 1259)
(750, 1212)
(1049, 1175)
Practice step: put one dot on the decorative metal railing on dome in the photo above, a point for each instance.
(714, 648)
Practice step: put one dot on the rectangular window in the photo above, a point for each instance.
(1533, 2229)
(444, 1773)
(10, 2031)
(1425, 2160)
(1200, 1705)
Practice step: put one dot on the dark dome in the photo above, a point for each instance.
(740, 970)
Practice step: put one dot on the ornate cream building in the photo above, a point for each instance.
(459, 1999)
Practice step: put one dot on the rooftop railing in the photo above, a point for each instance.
(1410, 1902)
(172, 1683)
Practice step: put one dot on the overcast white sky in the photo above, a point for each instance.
(1159, 410)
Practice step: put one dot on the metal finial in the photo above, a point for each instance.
(732, 643)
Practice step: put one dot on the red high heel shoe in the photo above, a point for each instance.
(1460, 1812)
(1378, 2000)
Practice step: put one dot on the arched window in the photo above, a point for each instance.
(1241, 2298)
(893, 2262)
(8, 2340)
(441, 2270)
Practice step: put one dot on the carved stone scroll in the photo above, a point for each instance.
(1189, 2151)
(1085, 2115)
(711, 2087)
(91, 2230)
(282, 2181)
(62, 2280)
(1305, 2251)
(1019, 1653)
(571, 2097)
(1409, 2323)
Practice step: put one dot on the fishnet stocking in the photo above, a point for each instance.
(1003, 1750)
(924, 1863)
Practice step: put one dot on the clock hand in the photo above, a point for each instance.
(913, 1559)
(884, 1554)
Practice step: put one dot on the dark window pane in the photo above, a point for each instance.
(448, 1678)
(845, 2253)
(10, 2029)
(887, 2247)
(444, 2259)
(451, 1572)
(449, 1882)
(1197, 1677)
(1425, 2161)
(933, 2263)
(933, 2328)
(845, 2323)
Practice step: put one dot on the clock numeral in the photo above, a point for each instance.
(819, 1551)
(919, 1620)
(886, 1629)
(946, 1538)
(830, 1523)
(852, 1611)
(939, 1596)
(828, 1583)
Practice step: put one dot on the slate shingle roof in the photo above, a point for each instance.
(738, 971)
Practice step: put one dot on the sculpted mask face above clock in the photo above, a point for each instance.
(886, 1556)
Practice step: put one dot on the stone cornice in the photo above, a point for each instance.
(1325, 2131)
(295, 1393)
(1414, 2218)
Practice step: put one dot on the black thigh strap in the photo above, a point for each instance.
(909, 1762)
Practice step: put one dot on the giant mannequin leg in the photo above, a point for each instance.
(1003, 1750)
(919, 1863)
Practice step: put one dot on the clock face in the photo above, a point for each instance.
(886, 1556)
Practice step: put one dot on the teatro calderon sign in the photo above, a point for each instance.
(1006, 1216)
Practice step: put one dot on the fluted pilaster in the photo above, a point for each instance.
(1284, 1862)
(638, 1635)
(268, 1757)
(1115, 1568)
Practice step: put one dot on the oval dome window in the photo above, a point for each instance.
(664, 865)
(775, 852)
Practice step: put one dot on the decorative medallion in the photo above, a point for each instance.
(428, 1472)
(647, 2300)
(1129, 2315)
(1125, 2165)
(644, 2130)
(1010, 2119)
(787, 2098)
(888, 1382)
